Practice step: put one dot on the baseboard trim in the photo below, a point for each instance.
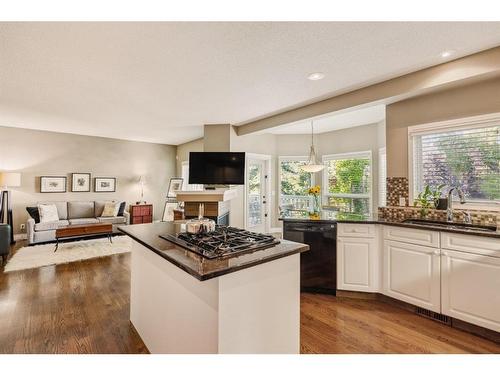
(453, 322)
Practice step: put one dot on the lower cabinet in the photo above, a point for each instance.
(412, 274)
(470, 285)
(357, 264)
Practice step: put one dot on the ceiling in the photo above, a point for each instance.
(160, 82)
(333, 121)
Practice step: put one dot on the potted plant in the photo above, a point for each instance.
(430, 198)
(440, 203)
(315, 192)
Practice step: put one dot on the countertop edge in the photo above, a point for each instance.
(396, 224)
(214, 274)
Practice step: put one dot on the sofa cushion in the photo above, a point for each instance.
(112, 220)
(99, 207)
(83, 221)
(110, 209)
(62, 209)
(48, 213)
(33, 212)
(39, 227)
(121, 210)
(79, 210)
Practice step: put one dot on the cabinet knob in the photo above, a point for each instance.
(436, 252)
(445, 253)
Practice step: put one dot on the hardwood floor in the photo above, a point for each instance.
(83, 307)
(79, 307)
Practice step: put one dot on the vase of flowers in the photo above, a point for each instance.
(315, 191)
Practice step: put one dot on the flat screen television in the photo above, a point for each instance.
(217, 168)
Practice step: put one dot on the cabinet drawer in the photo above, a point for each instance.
(356, 230)
(471, 244)
(413, 236)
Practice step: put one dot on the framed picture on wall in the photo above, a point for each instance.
(174, 186)
(52, 184)
(168, 211)
(105, 184)
(80, 182)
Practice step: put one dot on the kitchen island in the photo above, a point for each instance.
(182, 302)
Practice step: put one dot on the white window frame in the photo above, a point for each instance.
(269, 198)
(449, 125)
(290, 158)
(349, 155)
(382, 177)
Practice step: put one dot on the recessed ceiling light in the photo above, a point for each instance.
(315, 76)
(447, 53)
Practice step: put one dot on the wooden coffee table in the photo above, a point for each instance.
(83, 230)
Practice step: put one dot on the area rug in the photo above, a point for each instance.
(43, 255)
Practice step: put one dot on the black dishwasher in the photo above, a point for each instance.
(318, 266)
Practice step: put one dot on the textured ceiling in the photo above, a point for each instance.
(160, 82)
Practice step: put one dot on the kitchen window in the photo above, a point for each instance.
(347, 182)
(463, 153)
(294, 184)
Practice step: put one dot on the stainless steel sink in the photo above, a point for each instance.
(442, 224)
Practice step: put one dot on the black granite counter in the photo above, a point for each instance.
(202, 268)
(335, 217)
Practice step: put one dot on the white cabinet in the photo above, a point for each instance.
(470, 285)
(358, 264)
(411, 273)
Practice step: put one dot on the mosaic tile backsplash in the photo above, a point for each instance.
(398, 187)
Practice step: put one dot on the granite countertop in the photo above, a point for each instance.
(196, 265)
(336, 217)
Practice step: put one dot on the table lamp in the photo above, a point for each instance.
(8, 180)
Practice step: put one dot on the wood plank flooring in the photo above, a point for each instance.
(83, 307)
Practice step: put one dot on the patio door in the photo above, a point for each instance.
(257, 199)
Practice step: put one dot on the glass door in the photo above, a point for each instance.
(256, 195)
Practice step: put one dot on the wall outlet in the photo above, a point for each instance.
(22, 227)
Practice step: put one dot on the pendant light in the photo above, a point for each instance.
(312, 165)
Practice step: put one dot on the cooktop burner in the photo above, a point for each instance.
(224, 242)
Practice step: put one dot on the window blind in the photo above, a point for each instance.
(468, 158)
(382, 177)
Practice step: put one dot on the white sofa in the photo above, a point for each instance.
(71, 213)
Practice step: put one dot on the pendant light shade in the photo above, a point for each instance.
(312, 165)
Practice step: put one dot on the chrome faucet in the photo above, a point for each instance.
(449, 209)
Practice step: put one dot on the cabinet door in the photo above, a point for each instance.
(471, 288)
(357, 264)
(412, 274)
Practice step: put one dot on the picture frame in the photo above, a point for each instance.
(53, 184)
(80, 182)
(174, 186)
(104, 184)
(168, 210)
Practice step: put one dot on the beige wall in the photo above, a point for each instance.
(465, 101)
(38, 153)
(183, 151)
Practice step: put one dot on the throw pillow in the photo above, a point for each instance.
(110, 209)
(48, 213)
(121, 210)
(33, 212)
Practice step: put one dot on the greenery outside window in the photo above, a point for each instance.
(294, 184)
(466, 156)
(347, 182)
